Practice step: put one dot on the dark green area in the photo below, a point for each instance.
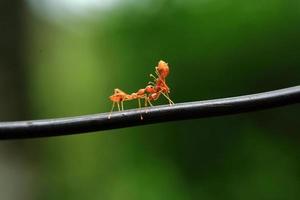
(215, 49)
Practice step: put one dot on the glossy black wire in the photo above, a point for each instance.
(156, 114)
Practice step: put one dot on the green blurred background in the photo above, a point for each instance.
(64, 58)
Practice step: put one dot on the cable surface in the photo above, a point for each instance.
(151, 115)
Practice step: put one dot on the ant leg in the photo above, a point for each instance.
(139, 100)
(170, 98)
(146, 104)
(156, 72)
(112, 108)
(118, 106)
(122, 106)
(149, 103)
(167, 96)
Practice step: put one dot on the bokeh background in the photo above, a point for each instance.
(64, 58)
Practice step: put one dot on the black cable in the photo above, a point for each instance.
(156, 114)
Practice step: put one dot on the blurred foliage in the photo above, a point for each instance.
(215, 49)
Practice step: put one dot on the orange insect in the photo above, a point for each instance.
(160, 86)
(119, 97)
(150, 93)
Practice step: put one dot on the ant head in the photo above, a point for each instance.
(115, 98)
(162, 69)
(150, 89)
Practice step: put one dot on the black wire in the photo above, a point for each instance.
(156, 114)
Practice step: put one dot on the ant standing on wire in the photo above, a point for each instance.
(119, 97)
(159, 85)
(150, 93)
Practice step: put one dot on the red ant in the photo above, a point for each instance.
(159, 85)
(150, 93)
(119, 97)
